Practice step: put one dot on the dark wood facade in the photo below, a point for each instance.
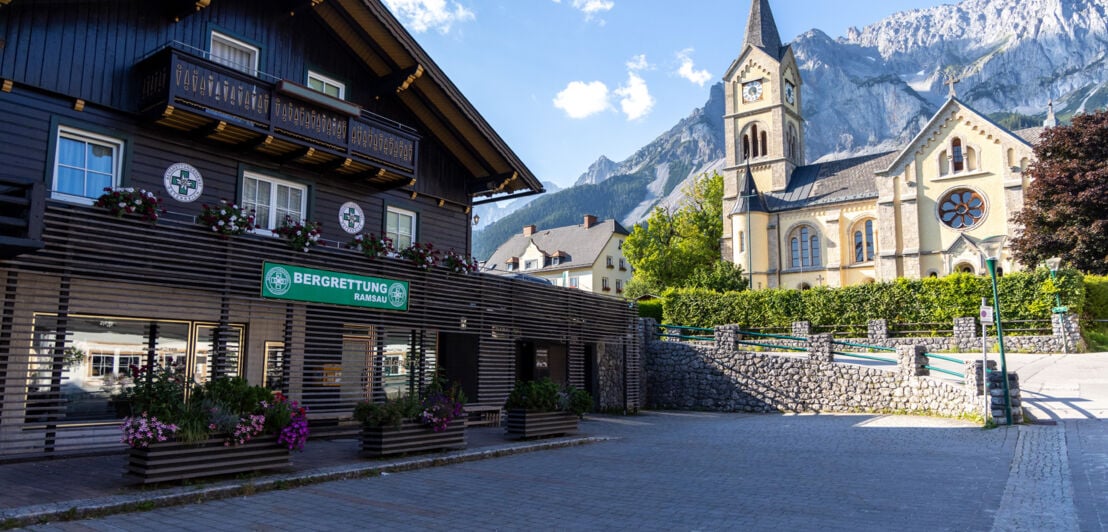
(85, 294)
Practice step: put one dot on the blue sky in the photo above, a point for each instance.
(566, 81)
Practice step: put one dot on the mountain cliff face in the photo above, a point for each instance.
(874, 89)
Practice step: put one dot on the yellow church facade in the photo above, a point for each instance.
(916, 212)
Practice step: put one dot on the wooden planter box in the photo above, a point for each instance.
(530, 424)
(166, 461)
(412, 437)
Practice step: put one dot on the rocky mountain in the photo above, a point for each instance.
(873, 90)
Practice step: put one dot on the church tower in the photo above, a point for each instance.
(764, 139)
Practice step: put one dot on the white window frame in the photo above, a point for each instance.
(327, 81)
(232, 42)
(396, 236)
(265, 227)
(117, 145)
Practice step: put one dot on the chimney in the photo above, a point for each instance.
(590, 220)
(529, 230)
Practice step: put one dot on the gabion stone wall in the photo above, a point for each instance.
(720, 378)
(611, 377)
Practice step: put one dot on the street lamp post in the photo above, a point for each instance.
(991, 248)
(1053, 263)
(749, 195)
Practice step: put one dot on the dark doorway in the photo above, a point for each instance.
(592, 374)
(458, 361)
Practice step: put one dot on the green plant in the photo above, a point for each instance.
(301, 235)
(126, 200)
(390, 413)
(371, 245)
(651, 309)
(226, 219)
(546, 396)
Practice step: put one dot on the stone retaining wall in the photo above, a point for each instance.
(717, 376)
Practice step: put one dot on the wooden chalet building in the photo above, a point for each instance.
(324, 110)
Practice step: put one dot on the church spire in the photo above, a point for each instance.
(761, 30)
(1050, 121)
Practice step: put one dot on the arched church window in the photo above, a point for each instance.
(864, 242)
(944, 163)
(754, 140)
(804, 286)
(971, 158)
(804, 247)
(964, 268)
(957, 158)
(791, 143)
(746, 147)
(962, 208)
(1011, 158)
(1023, 164)
(764, 150)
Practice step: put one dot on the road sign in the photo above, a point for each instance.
(986, 313)
(1060, 310)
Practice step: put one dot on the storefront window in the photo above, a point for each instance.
(76, 378)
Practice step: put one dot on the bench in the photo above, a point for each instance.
(482, 415)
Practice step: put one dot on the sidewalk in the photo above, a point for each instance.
(66, 488)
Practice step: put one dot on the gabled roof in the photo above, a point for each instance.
(830, 182)
(583, 246)
(952, 103)
(404, 68)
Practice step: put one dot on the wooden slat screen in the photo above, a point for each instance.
(105, 279)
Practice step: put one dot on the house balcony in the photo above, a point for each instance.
(280, 119)
(22, 206)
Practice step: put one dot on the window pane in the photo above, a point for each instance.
(315, 84)
(858, 257)
(815, 251)
(100, 158)
(71, 152)
(96, 184)
(333, 90)
(796, 253)
(70, 181)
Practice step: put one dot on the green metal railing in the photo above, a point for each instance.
(664, 328)
(948, 359)
(777, 336)
(867, 357)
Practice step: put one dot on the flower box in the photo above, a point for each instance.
(166, 461)
(533, 424)
(412, 436)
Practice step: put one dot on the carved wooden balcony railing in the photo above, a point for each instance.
(284, 120)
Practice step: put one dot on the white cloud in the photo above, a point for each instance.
(635, 99)
(581, 100)
(638, 63)
(687, 71)
(591, 7)
(422, 15)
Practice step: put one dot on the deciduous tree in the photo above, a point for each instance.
(1065, 210)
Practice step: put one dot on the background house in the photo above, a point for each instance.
(588, 256)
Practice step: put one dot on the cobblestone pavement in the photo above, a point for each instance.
(664, 471)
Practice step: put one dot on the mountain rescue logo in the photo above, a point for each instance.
(278, 281)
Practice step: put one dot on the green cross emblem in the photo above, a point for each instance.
(184, 183)
(351, 218)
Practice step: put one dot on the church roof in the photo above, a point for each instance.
(830, 182)
(1030, 135)
(582, 245)
(761, 30)
(748, 195)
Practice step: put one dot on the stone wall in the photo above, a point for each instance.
(611, 370)
(719, 377)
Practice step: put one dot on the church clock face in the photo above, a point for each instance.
(752, 91)
(790, 93)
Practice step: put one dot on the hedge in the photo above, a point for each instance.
(651, 309)
(1096, 297)
(1023, 296)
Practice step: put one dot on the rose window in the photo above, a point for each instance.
(962, 208)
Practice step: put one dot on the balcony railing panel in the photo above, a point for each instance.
(313, 126)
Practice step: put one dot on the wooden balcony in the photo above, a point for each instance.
(22, 207)
(281, 119)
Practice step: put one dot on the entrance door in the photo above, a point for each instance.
(458, 361)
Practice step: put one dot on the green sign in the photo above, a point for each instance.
(284, 281)
(1060, 310)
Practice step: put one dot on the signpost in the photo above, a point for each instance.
(986, 317)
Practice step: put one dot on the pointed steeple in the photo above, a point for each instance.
(761, 30)
(1050, 121)
(749, 198)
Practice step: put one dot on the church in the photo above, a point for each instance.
(913, 213)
